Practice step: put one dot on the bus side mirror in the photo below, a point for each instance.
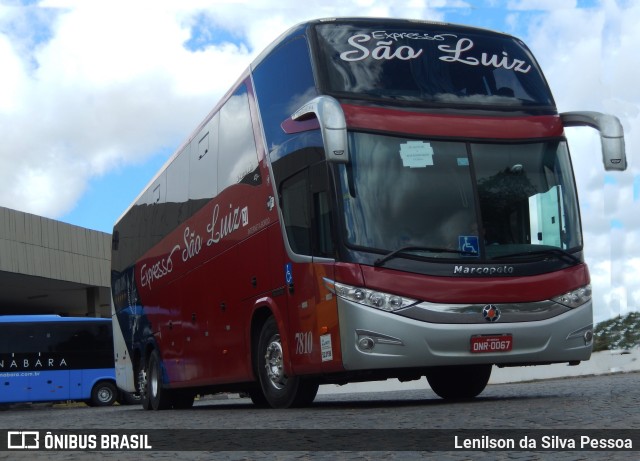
(611, 135)
(332, 125)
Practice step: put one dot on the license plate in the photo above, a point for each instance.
(498, 343)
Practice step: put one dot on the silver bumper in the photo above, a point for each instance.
(373, 339)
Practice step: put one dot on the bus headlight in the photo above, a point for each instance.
(574, 298)
(372, 298)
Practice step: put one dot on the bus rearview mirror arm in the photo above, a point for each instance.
(332, 125)
(611, 135)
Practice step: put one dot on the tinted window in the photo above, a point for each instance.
(177, 174)
(306, 207)
(203, 159)
(430, 63)
(284, 82)
(296, 213)
(237, 156)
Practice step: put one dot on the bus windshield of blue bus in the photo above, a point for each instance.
(431, 64)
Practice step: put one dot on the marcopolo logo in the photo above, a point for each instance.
(483, 270)
(491, 313)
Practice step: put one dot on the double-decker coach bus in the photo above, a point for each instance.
(372, 199)
(45, 358)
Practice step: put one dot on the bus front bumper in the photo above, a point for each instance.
(372, 339)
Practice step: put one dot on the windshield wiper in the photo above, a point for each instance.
(406, 249)
(557, 252)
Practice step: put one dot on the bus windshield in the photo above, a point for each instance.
(429, 64)
(482, 200)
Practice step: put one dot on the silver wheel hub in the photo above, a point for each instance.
(142, 382)
(274, 363)
(104, 395)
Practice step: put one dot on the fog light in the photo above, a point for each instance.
(366, 344)
(588, 337)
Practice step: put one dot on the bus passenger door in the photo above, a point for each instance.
(313, 339)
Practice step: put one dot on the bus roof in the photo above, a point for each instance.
(294, 30)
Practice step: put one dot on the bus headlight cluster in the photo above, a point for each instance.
(378, 299)
(574, 298)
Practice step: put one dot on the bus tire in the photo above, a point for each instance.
(280, 390)
(157, 398)
(103, 394)
(459, 382)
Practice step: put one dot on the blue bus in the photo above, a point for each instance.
(47, 358)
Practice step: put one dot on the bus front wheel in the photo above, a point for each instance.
(103, 394)
(280, 390)
(459, 382)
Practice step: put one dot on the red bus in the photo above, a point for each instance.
(373, 199)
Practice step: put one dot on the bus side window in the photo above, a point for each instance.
(238, 157)
(322, 216)
(321, 225)
(307, 212)
(296, 213)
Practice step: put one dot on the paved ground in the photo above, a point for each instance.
(600, 363)
(364, 420)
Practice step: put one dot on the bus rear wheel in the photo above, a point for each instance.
(459, 382)
(156, 397)
(280, 390)
(103, 394)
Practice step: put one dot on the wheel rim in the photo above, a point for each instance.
(142, 382)
(153, 381)
(274, 363)
(105, 395)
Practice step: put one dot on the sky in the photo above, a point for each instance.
(95, 95)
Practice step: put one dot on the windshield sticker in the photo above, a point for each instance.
(416, 154)
(463, 161)
(469, 244)
(465, 44)
(386, 48)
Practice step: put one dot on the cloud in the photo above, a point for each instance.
(12, 76)
(94, 85)
(532, 5)
(111, 85)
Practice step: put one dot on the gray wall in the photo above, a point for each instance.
(35, 252)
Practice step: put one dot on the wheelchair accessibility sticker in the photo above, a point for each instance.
(288, 273)
(469, 245)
